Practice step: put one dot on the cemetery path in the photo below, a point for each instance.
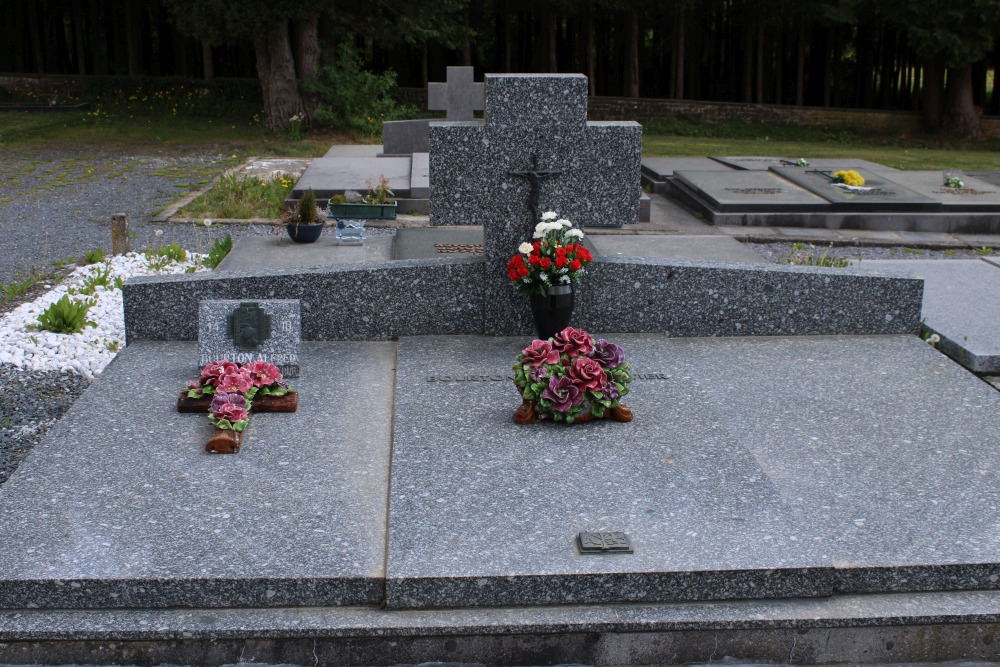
(56, 205)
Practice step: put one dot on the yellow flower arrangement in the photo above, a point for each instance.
(849, 177)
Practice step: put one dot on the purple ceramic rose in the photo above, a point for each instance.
(229, 406)
(540, 352)
(563, 394)
(610, 391)
(587, 374)
(215, 371)
(607, 354)
(573, 342)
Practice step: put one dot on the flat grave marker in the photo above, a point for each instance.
(750, 191)
(976, 196)
(883, 193)
(247, 330)
(329, 176)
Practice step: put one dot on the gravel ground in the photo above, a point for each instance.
(56, 206)
(779, 252)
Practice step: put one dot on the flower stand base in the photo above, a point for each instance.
(287, 403)
(527, 414)
(224, 441)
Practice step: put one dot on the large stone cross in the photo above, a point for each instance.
(535, 124)
(459, 97)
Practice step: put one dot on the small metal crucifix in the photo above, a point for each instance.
(534, 177)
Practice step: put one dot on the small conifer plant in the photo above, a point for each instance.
(307, 208)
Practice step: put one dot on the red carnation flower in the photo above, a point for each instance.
(575, 265)
(560, 261)
(545, 263)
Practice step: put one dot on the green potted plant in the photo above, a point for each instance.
(379, 203)
(305, 226)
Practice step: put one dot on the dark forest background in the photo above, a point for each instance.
(930, 55)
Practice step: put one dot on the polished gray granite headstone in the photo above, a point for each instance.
(961, 304)
(884, 194)
(750, 191)
(534, 123)
(274, 336)
(759, 467)
(976, 196)
(121, 506)
(328, 176)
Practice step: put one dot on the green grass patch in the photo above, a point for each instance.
(18, 287)
(241, 197)
(894, 147)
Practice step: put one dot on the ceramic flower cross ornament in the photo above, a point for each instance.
(229, 392)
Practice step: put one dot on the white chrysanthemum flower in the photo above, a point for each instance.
(563, 222)
(575, 232)
(550, 215)
(525, 248)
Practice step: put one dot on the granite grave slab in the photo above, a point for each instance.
(883, 194)
(439, 242)
(753, 162)
(749, 191)
(976, 196)
(331, 176)
(961, 304)
(840, 481)
(656, 170)
(676, 246)
(256, 253)
(534, 152)
(121, 507)
(268, 330)
(703, 520)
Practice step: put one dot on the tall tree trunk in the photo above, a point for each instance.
(932, 95)
(78, 43)
(306, 41)
(800, 65)
(550, 40)
(207, 61)
(37, 48)
(759, 95)
(591, 50)
(276, 72)
(961, 117)
(632, 59)
(679, 63)
(133, 28)
(747, 59)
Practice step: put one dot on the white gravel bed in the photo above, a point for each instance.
(88, 352)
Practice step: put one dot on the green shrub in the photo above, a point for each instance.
(65, 316)
(101, 278)
(353, 98)
(307, 208)
(94, 256)
(218, 252)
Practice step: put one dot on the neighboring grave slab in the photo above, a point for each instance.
(961, 304)
(753, 162)
(331, 176)
(247, 330)
(750, 191)
(662, 168)
(884, 194)
(405, 137)
(837, 164)
(120, 507)
(977, 195)
(533, 123)
(420, 176)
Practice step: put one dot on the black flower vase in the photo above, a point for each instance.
(552, 311)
